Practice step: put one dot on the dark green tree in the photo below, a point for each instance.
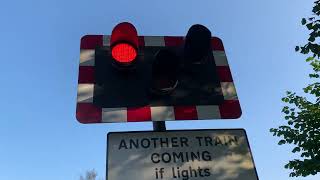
(302, 113)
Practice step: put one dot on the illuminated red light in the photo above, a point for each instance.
(124, 44)
(124, 53)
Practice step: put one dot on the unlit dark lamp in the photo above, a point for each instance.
(165, 69)
(197, 44)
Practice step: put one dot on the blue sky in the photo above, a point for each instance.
(39, 135)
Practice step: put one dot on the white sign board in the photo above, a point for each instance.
(180, 155)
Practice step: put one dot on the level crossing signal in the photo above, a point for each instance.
(124, 77)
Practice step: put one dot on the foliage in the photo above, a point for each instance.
(90, 175)
(302, 113)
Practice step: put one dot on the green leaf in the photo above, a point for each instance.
(285, 99)
(314, 75)
(281, 142)
(309, 59)
(296, 149)
(309, 26)
(286, 166)
(292, 174)
(303, 21)
(311, 39)
(311, 19)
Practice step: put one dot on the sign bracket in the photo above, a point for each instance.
(159, 126)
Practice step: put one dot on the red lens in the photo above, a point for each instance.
(124, 53)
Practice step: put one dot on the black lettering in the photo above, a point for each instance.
(154, 142)
(161, 172)
(200, 171)
(184, 141)
(207, 172)
(177, 157)
(193, 172)
(195, 156)
(187, 156)
(166, 160)
(174, 142)
(218, 141)
(225, 140)
(199, 140)
(208, 141)
(145, 143)
(206, 156)
(157, 176)
(173, 173)
(185, 174)
(153, 156)
(122, 144)
(233, 140)
(134, 143)
(162, 142)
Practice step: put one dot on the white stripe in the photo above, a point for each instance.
(208, 112)
(106, 40)
(114, 115)
(154, 41)
(85, 93)
(229, 91)
(87, 57)
(220, 58)
(162, 113)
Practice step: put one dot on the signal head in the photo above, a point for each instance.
(124, 44)
(197, 44)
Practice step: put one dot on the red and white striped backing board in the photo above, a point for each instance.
(87, 112)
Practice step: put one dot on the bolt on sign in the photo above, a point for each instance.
(125, 77)
(222, 154)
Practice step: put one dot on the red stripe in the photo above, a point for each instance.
(141, 41)
(88, 113)
(139, 114)
(91, 41)
(217, 44)
(224, 73)
(185, 113)
(230, 109)
(173, 40)
(86, 74)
